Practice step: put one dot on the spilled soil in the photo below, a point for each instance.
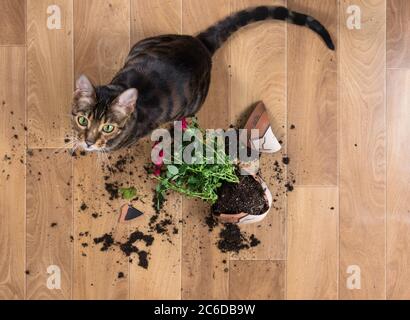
(129, 246)
(246, 196)
(105, 200)
(232, 239)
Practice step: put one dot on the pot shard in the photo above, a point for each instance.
(266, 142)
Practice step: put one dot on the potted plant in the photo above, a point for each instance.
(234, 197)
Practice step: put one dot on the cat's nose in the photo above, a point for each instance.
(89, 143)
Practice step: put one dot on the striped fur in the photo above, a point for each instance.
(216, 35)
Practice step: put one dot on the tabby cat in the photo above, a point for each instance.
(164, 78)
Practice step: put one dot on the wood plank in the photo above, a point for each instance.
(95, 272)
(258, 72)
(162, 279)
(398, 34)
(312, 104)
(50, 75)
(312, 243)
(49, 222)
(12, 173)
(155, 17)
(257, 280)
(13, 22)
(197, 16)
(363, 150)
(203, 275)
(398, 184)
(102, 37)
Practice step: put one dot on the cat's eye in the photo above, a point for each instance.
(108, 128)
(82, 121)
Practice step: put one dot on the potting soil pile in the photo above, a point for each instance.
(246, 196)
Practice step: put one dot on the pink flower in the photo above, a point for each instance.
(160, 159)
(157, 171)
(184, 124)
(159, 162)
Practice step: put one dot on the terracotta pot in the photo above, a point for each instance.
(266, 142)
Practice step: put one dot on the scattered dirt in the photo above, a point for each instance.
(246, 196)
(162, 226)
(231, 239)
(106, 240)
(211, 222)
(289, 186)
(143, 259)
(137, 244)
(129, 246)
(113, 190)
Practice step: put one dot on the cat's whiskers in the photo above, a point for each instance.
(99, 160)
(69, 145)
(105, 156)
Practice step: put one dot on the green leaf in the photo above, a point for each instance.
(173, 170)
(128, 193)
(193, 180)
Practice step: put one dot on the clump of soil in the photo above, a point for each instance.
(134, 237)
(233, 240)
(162, 226)
(246, 196)
(289, 186)
(143, 259)
(211, 222)
(106, 240)
(129, 246)
(113, 190)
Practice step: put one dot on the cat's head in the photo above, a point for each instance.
(101, 116)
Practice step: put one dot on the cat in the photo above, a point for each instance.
(164, 78)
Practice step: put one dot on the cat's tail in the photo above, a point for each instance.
(216, 35)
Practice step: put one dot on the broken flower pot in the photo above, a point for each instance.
(265, 142)
(247, 202)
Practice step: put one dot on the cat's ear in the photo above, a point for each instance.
(84, 86)
(84, 94)
(126, 102)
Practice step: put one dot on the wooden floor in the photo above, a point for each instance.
(343, 233)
